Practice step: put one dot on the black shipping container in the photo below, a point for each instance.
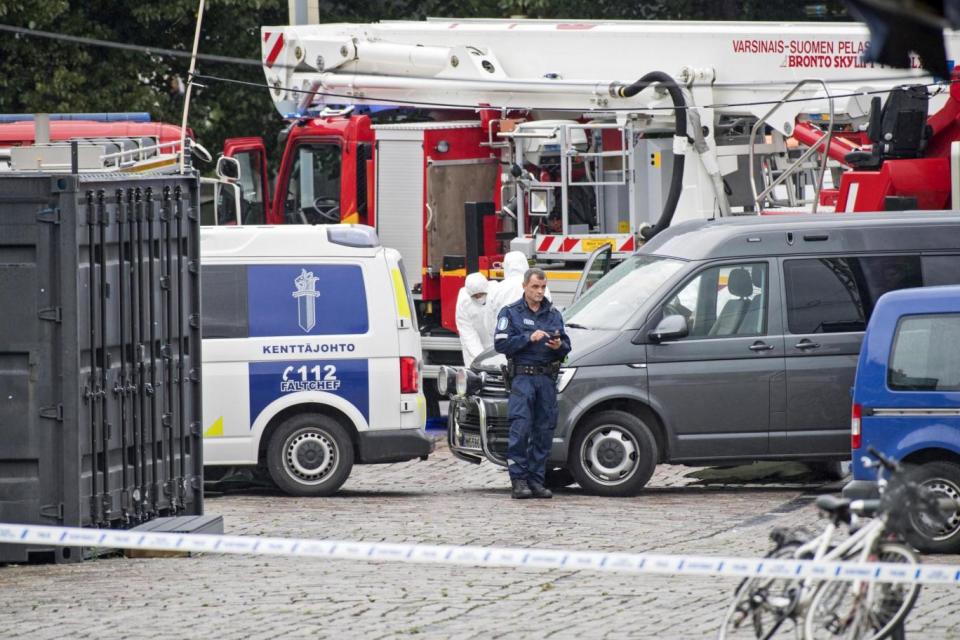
(99, 352)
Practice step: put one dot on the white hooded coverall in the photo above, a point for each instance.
(471, 318)
(509, 290)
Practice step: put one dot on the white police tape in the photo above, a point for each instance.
(480, 556)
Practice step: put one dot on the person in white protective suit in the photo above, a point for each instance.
(471, 317)
(510, 289)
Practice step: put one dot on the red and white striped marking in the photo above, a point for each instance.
(585, 244)
(272, 47)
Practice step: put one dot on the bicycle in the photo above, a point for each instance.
(857, 609)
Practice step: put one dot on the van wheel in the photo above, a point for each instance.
(613, 454)
(943, 478)
(830, 470)
(310, 454)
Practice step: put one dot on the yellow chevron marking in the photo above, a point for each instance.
(215, 430)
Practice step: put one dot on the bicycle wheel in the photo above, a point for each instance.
(863, 610)
(762, 607)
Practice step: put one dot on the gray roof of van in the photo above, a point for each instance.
(784, 235)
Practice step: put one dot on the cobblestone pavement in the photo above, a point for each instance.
(441, 500)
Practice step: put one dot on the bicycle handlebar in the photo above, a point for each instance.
(867, 507)
(888, 463)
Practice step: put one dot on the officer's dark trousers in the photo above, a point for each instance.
(533, 417)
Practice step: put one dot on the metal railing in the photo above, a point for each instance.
(798, 164)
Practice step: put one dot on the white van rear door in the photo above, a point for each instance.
(412, 405)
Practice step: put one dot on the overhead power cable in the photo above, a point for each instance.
(153, 51)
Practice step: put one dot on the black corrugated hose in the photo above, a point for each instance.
(676, 179)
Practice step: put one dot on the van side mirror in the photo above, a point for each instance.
(670, 328)
(228, 168)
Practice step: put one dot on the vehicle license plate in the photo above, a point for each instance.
(470, 441)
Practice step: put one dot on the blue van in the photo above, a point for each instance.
(906, 400)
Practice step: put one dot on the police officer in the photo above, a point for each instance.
(530, 333)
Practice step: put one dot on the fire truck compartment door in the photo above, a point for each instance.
(450, 185)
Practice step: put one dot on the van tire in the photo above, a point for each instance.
(944, 479)
(310, 454)
(613, 453)
(830, 470)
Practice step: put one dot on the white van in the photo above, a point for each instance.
(311, 355)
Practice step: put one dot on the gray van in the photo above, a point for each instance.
(719, 342)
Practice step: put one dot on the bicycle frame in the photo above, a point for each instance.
(861, 542)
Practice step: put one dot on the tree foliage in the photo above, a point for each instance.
(43, 75)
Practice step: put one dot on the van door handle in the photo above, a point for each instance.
(806, 344)
(759, 345)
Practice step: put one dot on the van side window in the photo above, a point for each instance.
(926, 354)
(881, 274)
(835, 295)
(938, 270)
(223, 297)
(822, 296)
(727, 300)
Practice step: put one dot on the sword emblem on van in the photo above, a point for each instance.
(306, 294)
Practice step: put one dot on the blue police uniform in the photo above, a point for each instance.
(532, 407)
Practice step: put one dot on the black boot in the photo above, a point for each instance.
(538, 490)
(520, 489)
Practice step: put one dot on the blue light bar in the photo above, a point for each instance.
(121, 116)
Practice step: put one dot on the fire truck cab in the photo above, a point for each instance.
(322, 177)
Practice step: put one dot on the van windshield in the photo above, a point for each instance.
(614, 298)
